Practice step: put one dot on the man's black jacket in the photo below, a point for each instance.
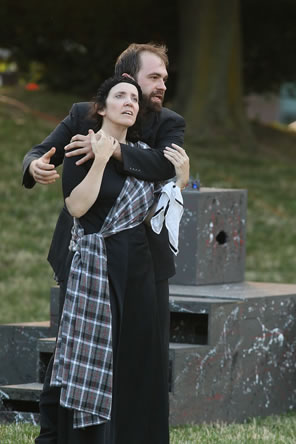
(159, 130)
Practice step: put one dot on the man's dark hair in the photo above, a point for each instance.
(99, 103)
(129, 60)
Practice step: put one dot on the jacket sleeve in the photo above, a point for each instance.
(151, 164)
(58, 138)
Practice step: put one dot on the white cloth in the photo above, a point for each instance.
(169, 210)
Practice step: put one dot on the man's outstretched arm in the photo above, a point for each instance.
(40, 162)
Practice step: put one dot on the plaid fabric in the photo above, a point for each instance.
(83, 357)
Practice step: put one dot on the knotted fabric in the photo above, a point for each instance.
(83, 357)
(169, 211)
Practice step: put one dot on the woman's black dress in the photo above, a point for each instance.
(140, 396)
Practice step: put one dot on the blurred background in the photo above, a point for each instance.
(232, 75)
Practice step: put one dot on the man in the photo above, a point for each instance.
(161, 128)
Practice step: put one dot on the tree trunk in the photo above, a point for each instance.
(210, 81)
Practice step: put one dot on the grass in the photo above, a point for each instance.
(28, 217)
(271, 430)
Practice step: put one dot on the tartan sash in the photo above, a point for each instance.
(83, 357)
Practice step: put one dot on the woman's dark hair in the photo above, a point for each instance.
(99, 103)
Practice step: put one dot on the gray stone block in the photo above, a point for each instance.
(18, 352)
(212, 237)
(247, 368)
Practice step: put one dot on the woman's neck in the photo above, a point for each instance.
(116, 131)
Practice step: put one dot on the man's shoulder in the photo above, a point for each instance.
(167, 113)
(81, 107)
(81, 114)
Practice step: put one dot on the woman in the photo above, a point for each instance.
(109, 358)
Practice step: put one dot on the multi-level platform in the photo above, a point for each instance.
(232, 343)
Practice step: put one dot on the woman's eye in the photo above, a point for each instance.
(135, 100)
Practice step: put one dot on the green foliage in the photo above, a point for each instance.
(76, 44)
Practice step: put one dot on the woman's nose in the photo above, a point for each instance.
(128, 101)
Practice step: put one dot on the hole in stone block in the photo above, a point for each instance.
(189, 328)
(221, 237)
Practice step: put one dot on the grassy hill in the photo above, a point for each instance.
(28, 217)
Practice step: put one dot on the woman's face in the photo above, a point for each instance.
(122, 105)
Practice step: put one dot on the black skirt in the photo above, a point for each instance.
(140, 395)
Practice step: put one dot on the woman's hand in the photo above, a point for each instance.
(102, 145)
(178, 157)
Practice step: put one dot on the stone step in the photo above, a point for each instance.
(21, 392)
(196, 314)
(46, 345)
(45, 349)
(178, 353)
(27, 395)
(15, 417)
(24, 398)
(19, 403)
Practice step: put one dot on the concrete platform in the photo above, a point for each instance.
(248, 367)
(232, 355)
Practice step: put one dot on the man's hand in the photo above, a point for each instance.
(80, 145)
(103, 146)
(42, 171)
(178, 157)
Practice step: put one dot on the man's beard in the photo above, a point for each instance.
(150, 105)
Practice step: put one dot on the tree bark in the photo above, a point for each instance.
(209, 91)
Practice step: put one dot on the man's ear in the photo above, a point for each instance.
(125, 74)
(101, 112)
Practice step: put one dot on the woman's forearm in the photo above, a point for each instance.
(84, 195)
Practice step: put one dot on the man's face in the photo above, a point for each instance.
(151, 78)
